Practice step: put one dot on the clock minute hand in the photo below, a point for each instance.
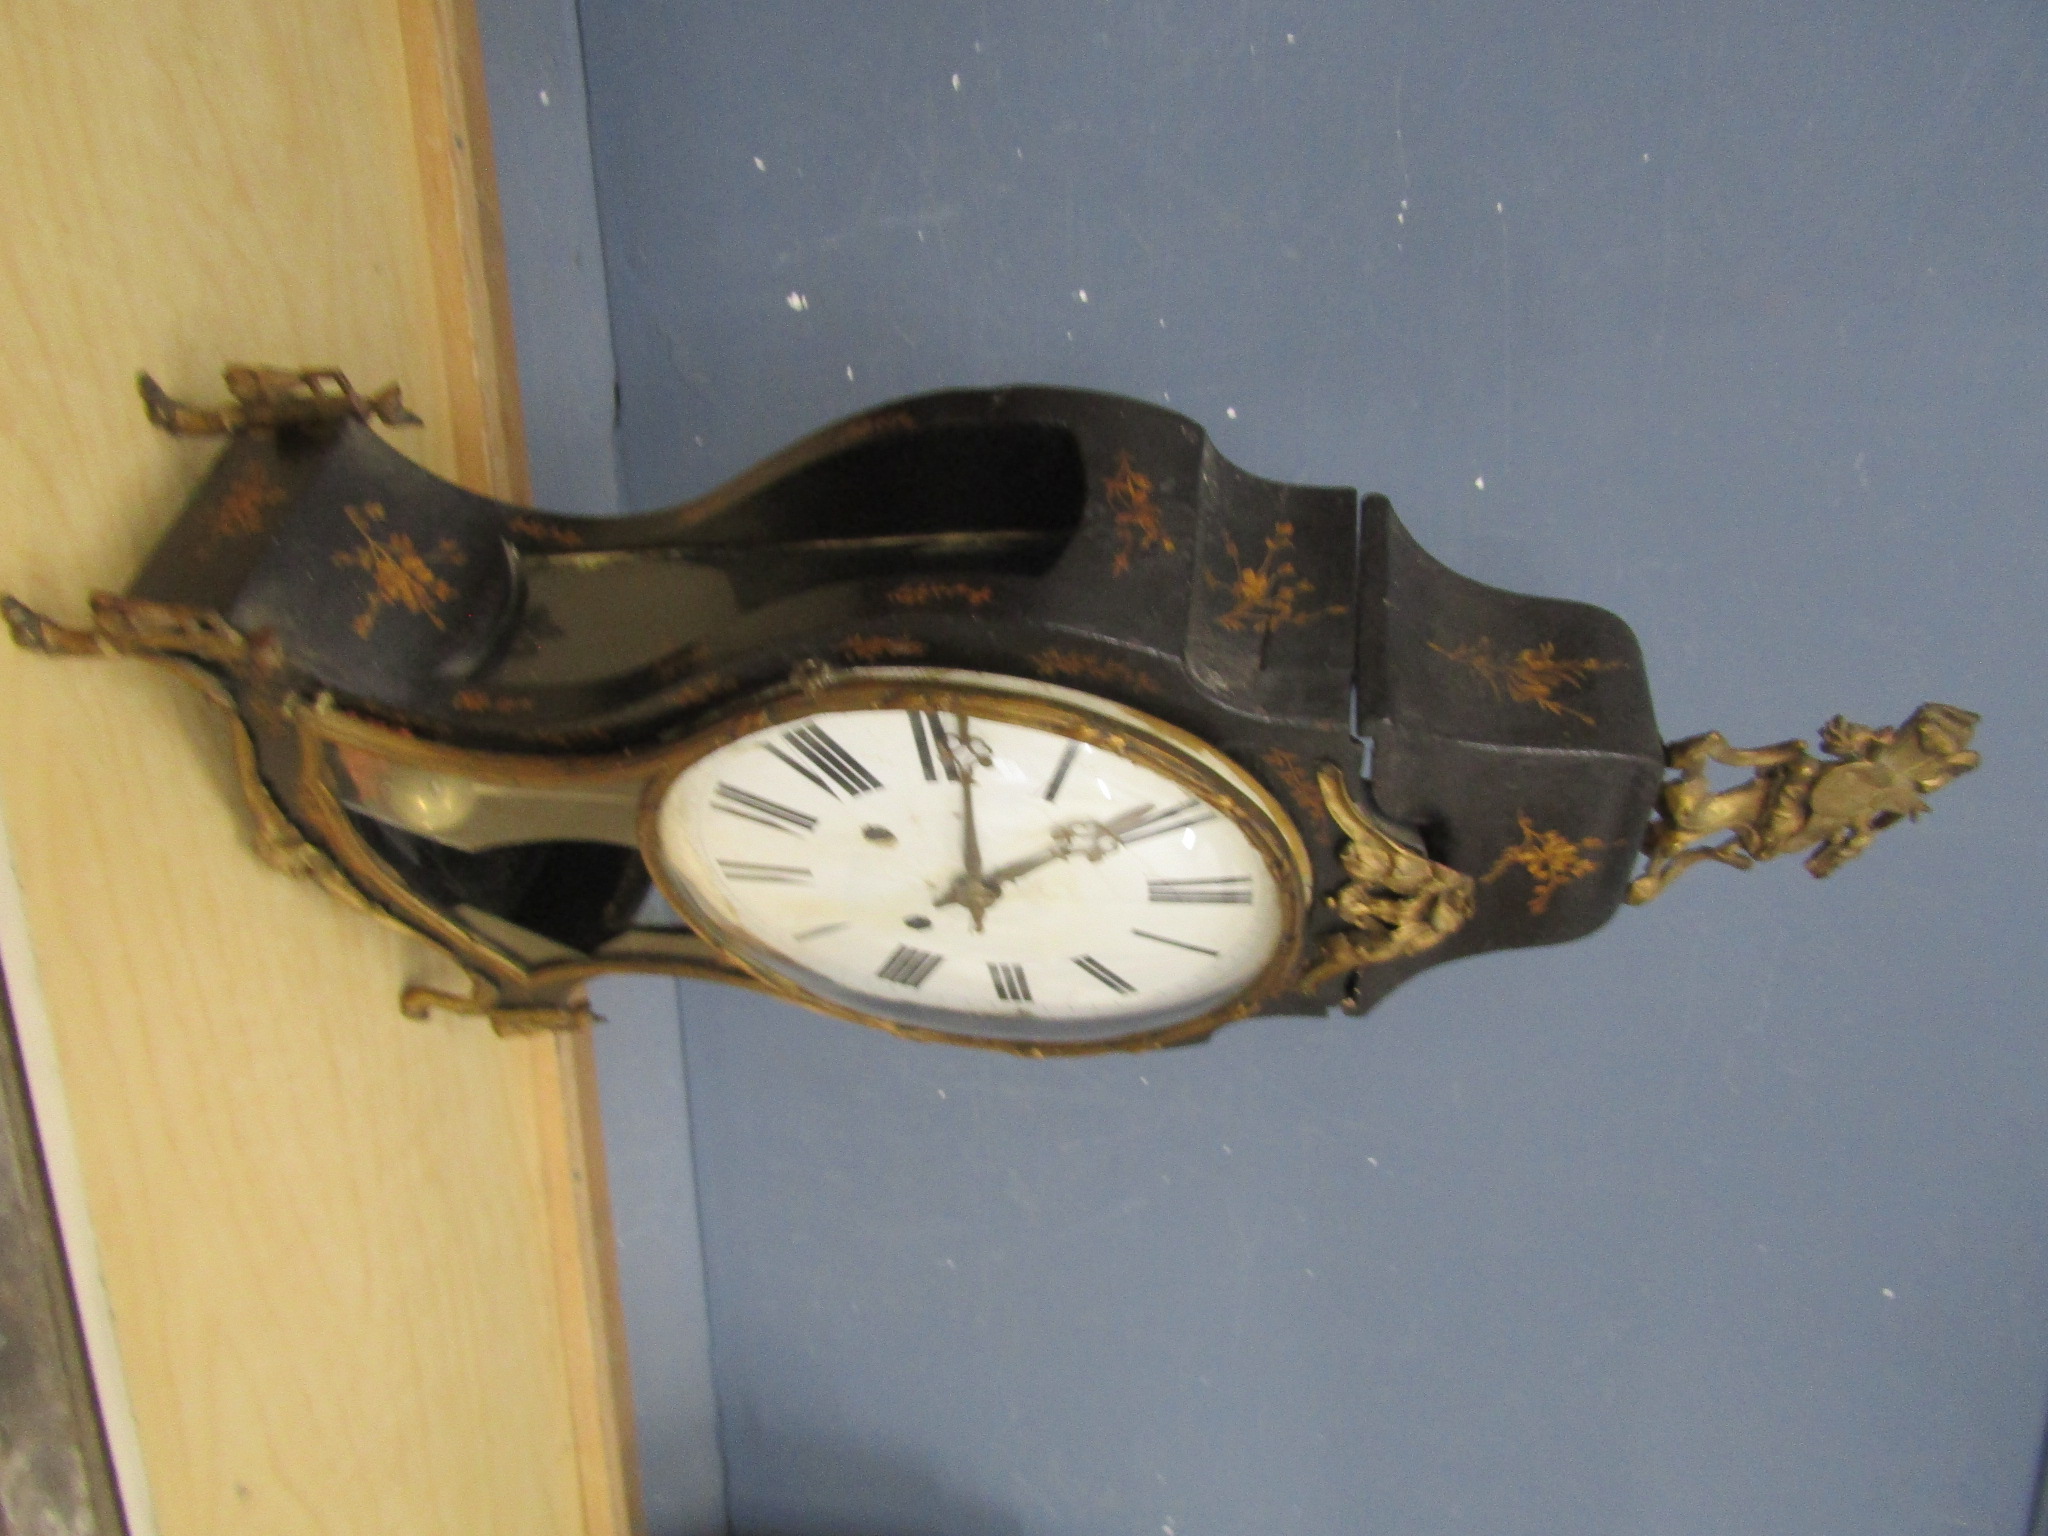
(1065, 844)
(1072, 839)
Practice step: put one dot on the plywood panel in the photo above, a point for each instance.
(348, 1256)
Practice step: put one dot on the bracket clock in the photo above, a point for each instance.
(1017, 718)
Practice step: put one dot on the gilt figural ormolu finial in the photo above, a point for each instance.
(1829, 808)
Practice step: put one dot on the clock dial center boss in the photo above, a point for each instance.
(955, 853)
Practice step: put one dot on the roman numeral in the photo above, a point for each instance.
(1217, 890)
(1160, 938)
(766, 874)
(1059, 774)
(1103, 974)
(828, 758)
(761, 811)
(1009, 982)
(1172, 819)
(930, 735)
(908, 967)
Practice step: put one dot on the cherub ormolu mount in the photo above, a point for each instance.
(1017, 718)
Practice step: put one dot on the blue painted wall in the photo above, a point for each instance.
(1729, 316)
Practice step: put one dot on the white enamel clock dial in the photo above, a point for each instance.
(997, 865)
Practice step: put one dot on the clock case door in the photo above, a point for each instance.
(451, 704)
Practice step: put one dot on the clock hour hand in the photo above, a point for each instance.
(1091, 839)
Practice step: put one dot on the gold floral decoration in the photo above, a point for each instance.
(699, 690)
(1269, 595)
(1056, 661)
(1533, 675)
(922, 594)
(874, 648)
(245, 509)
(401, 575)
(1553, 861)
(1140, 527)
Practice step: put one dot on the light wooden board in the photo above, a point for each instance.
(353, 1263)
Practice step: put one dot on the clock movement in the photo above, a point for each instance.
(1017, 718)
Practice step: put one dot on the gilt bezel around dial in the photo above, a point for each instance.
(1151, 746)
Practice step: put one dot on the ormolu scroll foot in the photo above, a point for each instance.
(573, 1013)
(33, 631)
(274, 397)
(128, 626)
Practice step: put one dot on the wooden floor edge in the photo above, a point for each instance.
(451, 121)
(610, 1459)
(451, 127)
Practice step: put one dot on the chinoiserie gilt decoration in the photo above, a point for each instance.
(400, 574)
(1271, 594)
(1551, 860)
(1795, 802)
(1140, 527)
(1014, 718)
(1535, 674)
